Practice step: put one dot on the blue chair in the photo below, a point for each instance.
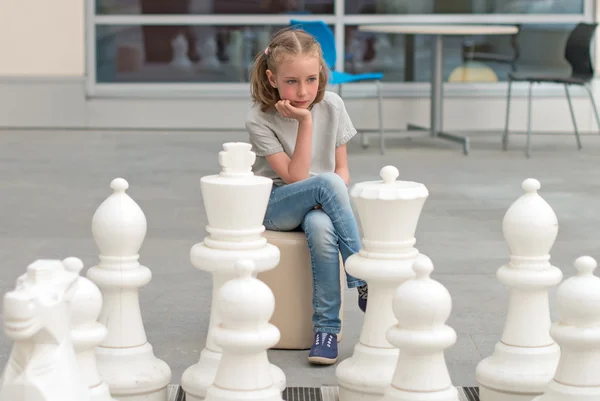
(324, 36)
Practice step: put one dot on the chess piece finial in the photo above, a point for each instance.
(237, 159)
(389, 174)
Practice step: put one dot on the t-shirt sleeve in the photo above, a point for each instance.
(346, 129)
(263, 140)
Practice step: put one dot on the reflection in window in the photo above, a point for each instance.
(214, 6)
(407, 58)
(164, 54)
(464, 6)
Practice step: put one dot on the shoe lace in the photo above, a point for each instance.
(324, 338)
(363, 292)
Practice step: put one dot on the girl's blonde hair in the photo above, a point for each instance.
(284, 43)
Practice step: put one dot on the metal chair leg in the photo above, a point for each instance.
(380, 113)
(528, 150)
(573, 116)
(505, 136)
(593, 104)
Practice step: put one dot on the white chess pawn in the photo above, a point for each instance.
(86, 332)
(180, 49)
(525, 359)
(245, 305)
(422, 306)
(42, 365)
(577, 332)
(125, 358)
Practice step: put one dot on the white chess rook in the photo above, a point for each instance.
(125, 358)
(525, 359)
(235, 201)
(389, 211)
(422, 306)
(86, 332)
(577, 332)
(42, 365)
(245, 305)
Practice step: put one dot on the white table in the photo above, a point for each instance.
(438, 32)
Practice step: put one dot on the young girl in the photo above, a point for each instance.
(298, 132)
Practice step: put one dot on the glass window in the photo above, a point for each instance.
(214, 6)
(407, 58)
(464, 6)
(174, 54)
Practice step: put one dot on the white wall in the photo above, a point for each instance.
(42, 38)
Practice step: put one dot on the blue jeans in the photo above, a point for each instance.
(330, 230)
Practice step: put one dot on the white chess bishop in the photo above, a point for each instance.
(422, 306)
(235, 201)
(388, 211)
(526, 357)
(125, 358)
(42, 365)
(577, 332)
(245, 305)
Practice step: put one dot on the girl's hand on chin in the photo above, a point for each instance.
(285, 108)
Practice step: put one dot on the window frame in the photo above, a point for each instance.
(339, 20)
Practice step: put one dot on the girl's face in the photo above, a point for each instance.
(297, 79)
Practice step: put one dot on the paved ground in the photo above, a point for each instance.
(52, 183)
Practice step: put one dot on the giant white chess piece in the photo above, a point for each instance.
(389, 211)
(86, 332)
(422, 306)
(235, 202)
(125, 358)
(525, 359)
(42, 365)
(245, 305)
(577, 332)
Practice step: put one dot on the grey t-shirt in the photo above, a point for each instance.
(271, 133)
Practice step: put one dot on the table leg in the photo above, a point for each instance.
(437, 98)
(437, 84)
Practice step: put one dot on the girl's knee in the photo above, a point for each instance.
(319, 228)
(331, 182)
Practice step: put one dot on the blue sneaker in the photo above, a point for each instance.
(324, 350)
(363, 294)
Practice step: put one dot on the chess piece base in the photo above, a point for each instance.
(134, 374)
(367, 374)
(517, 373)
(395, 394)
(219, 394)
(560, 392)
(196, 379)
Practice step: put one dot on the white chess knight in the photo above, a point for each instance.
(525, 359)
(389, 211)
(235, 201)
(422, 306)
(42, 365)
(577, 332)
(86, 332)
(125, 358)
(245, 305)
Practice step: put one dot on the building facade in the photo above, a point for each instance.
(183, 64)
